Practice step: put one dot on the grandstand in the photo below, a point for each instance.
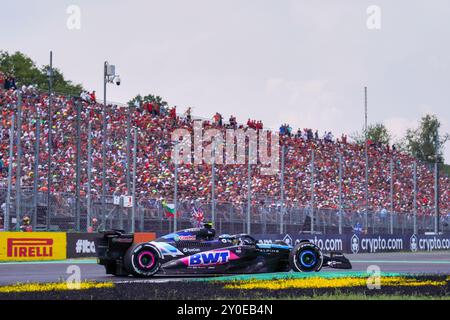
(155, 173)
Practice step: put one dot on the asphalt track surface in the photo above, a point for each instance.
(56, 271)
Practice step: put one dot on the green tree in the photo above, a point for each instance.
(138, 100)
(377, 133)
(423, 141)
(27, 73)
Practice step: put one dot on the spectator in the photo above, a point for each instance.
(187, 115)
(217, 118)
(10, 83)
(358, 228)
(2, 164)
(94, 225)
(233, 122)
(92, 97)
(155, 177)
(85, 96)
(26, 224)
(2, 80)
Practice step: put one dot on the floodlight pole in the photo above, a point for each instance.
(104, 128)
(312, 191)
(175, 193)
(436, 184)
(249, 186)
(89, 175)
(133, 208)
(36, 168)
(340, 194)
(213, 182)
(10, 169)
(415, 198)
(128, 147)
(282, 189)
(128, 150)
(366, 186)
(19, 160)
(78, 172)
(391, 169)
(107, 77)
(50, 140)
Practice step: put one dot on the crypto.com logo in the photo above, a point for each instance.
(354, 243)
(211, 146)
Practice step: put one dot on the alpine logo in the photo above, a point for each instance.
(288, 240)
(209, 258)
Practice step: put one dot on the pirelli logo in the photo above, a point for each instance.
(32, 246)
(22, 248)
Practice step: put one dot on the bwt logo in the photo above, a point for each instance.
(29, 248)
(209, 258)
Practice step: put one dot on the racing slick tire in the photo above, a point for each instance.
(306, 257)
(142, 260)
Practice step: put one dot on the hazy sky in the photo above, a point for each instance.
(294, 61)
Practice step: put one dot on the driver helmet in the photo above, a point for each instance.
(208, 225)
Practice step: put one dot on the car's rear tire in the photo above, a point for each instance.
(142, 260)
(306, 257)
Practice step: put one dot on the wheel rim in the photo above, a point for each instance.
(307, 258)
(146, 260)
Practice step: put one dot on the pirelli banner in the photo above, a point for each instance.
(32, 246)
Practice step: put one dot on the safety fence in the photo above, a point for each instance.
(264, 217)
(378, 189)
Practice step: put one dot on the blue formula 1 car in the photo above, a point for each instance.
(198, 251)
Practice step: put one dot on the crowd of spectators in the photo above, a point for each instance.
(155, 170)
(7, 81)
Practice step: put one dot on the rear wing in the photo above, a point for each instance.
(113, 245)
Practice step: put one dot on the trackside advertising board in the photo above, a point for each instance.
(81, 245)
(357, 243)
(32, 246)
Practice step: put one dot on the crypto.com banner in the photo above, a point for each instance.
(357, 243)
(32, 246)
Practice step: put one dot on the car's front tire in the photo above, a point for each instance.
(306, 257)
(142, 260)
